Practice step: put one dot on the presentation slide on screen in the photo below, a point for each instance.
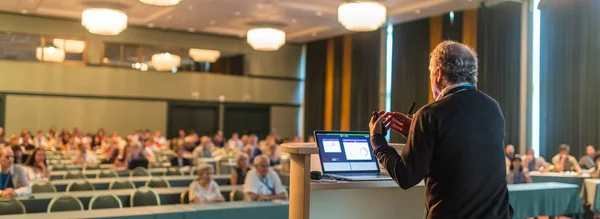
(357, 150)
(332, 146)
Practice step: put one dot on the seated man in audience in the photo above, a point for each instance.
(135, 156)
(204, 150)
(159, 140)
(262, 183)
(238, 175)
(190, 144)
(565, 162)
(179, 161)
(587, 161)
(13, 178)
(516, 173)
(532, 163)
(595, 171)
(205, 189)
(218, 141)
(235, 142)
(82, 156)
(509, 153)
(40, 140)
(19, 156)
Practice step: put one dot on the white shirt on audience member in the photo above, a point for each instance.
(204, 194)
(253, 183)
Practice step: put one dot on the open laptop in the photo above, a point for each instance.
(348, 156)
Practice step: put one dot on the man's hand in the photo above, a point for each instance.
(376, 126)
(262, 198)
(398, 122)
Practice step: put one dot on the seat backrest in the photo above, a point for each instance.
(236, 195)
(158, 183)
(107, 174)
(59, 167)
(139, 171)
(173, 172)
(11, 206)
(42, 187)
(184, 198)
(103, 201)
(91, 167)
(144, 196)
(80, 185)
(121, 184)
(74, 175)
(65, 203)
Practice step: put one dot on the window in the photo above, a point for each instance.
(25, 47)
(173, 59)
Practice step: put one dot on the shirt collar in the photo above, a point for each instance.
(450, 88)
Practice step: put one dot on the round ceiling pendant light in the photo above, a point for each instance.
(362, 16)
(165, 61)
(161, 2)
(103, 21)
(70, 46)
(204, 55)
(50, 54)
(266, 39)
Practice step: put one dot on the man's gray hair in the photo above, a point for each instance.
(457, 62)
(262, 158)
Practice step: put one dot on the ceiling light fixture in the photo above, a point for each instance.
(204, 55)
(362, 16)
(50, 54)
(104, 21)
(161, 2)
(70, 46)
(266, 39)
(165, 61)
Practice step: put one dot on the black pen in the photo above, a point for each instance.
(410, 110)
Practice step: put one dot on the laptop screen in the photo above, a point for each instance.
(346, 152)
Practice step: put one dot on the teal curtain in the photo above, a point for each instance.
(569, 75)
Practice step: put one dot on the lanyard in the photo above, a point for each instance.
(266, 182)
(6, 182)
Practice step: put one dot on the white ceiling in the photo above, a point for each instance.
(304, 20)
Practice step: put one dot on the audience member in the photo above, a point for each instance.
(218, 141)
(82, 156)
(565, 162)
(238, 175)
(235, 142)
(587, 160)
(311, 139)
(14, 141)
(19, 156)
(13, 178)
(595, 171)
(66, 143)
(204, 150)
(272, 151)
(138, 135)
(262, 183)
(205, 189)
(111, 153)
(3, 137)
(135, 156)
(151, 145)
(509, 153)
(40, 140)
(532, 163)
(159, 140)
(27, 145)
(296, 139)
(25, 137)
(190, 144)
(36, 166)
(516, 174)
(52, 132)
(180, 161)
(181, 136)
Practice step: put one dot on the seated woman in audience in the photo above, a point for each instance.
(262, 183)
(25, 137)
(272, 151)
(36, 167)
(83, 157)
(66, 142)
(238, 175)
(235, 141)
(40, 140)
(205, 189)
(532, 163)
(516, 174)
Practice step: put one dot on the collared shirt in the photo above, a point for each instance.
(445, 90)
(263, 186)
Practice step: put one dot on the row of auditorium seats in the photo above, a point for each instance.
(84, 185)
(137, 172)
(143, 196)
